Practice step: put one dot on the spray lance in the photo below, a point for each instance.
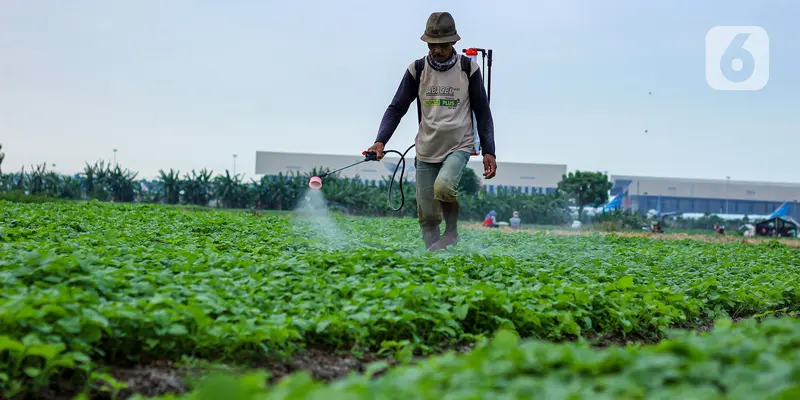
(316, 181)
(472, 52)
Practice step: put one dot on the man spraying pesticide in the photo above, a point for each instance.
(449, 90)
(455, 122)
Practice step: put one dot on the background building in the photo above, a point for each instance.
(527, 178)
(699, 196)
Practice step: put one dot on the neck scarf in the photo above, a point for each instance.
(443, 66)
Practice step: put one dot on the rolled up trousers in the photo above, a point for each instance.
(438, 182)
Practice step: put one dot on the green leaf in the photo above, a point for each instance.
(626, 282)
(723, 323)
(47, 351)
(178, 330)
(505, 340)
(321, 326)
(7, 343)
(461, 311)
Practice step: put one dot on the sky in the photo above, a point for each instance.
(616, 86)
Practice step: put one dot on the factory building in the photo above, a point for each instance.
(523, 177)
(700, 196)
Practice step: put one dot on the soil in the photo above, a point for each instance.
(162, 378)
(322, 364)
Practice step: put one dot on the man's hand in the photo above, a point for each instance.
(489, 166)
(377, 148)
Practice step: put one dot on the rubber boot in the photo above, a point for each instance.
(450, 236)
(430, 233)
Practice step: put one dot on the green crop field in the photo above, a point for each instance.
(95, 296)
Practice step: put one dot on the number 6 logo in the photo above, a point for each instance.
(737, 58)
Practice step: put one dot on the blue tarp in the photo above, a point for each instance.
(614, 204)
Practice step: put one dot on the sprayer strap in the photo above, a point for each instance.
(466, 66)
(418, 66)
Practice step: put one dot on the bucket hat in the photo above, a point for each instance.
(441, 28)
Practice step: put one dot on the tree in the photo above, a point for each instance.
(171, 185)
(585, 188)
(197, 188)
(469, 183)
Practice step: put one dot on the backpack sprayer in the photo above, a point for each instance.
(472, 53)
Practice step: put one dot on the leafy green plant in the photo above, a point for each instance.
(733, 361)
(18, 196)
(119, 283)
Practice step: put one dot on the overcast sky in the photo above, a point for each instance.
(186, 84)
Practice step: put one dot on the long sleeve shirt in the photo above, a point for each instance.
(447, 100)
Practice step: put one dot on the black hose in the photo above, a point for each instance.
(402, 172)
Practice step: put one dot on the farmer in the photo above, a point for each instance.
(515, 221)
(446, 95)
(491, 220)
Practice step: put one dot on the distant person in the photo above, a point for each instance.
(491, 220)
(448, 88)
(515, 221)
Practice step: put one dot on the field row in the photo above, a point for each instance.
(743, 361)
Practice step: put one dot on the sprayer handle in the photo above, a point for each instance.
(370, 155)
